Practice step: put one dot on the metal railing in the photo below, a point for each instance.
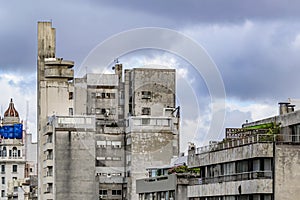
(259, 138)
(233, 177)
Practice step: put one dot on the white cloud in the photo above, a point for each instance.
(258, 110)
(20, 88)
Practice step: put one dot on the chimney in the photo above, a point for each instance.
(283, 108)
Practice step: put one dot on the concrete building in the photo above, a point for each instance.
(66, 144)
(258, 161)
(152, 125)
(101, 95)
(146, 136)
(99, 129)
(167, 182)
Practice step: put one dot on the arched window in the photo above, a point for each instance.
(14, 152)
(4, 153)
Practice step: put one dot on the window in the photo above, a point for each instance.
(70, 111)
(14, 152)
(2, 168)
(103, 192)
(242, 166)
(50, 155)
(19, 153)
(49, 188)
(116, 144)
(146, 111)
(116, 192)
(50, 171)
(146, 95)
(4, 153)
(3, 180)
(101, 158)
(15, 168)
(2, 193)
(49, 138)
(101, 143)
(70, 95)
(103, 111)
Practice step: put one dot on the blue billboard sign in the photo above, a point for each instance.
(12, 131)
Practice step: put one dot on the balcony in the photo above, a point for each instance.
(47, 179)
(47, 146)
(48, 129)
(74, 122)
(47, 163)
(149, 124)
(254, 186)
(259, 138)
(233, 177)
(10, 158)
(11, 141)
(59, 73)
(58, 62)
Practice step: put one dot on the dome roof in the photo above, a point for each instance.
(11, 111)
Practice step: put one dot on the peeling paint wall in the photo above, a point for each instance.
(287, 172)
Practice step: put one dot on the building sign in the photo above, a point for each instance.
(12, 131)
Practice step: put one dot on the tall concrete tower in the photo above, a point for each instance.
(65, 143)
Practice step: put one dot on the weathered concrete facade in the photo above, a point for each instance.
(136, 125)
(252, 167)
(62, 152)
(287, 173)
(173, 186)
(152, 125)
(100, 95)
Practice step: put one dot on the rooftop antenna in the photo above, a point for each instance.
(116, 61)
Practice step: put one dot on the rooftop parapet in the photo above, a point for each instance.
(58, 62)
(147, 123)
(72, 122)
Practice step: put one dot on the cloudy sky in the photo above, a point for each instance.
(254, 44)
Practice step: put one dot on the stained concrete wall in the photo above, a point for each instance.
(160, 82)
(287, 172)
(148, 149)
(75, 165)
(232, 154)
(263, 186)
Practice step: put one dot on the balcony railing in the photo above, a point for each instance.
(233, 177)
(259, 138)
